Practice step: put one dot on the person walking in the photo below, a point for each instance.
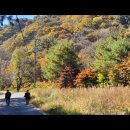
(7, 97)
(27, 96)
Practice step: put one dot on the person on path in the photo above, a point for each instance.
(27, 96)
(7, 97)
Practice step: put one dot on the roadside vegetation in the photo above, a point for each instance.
(83, 101)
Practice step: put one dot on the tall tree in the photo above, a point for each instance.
(22, 62)
(60, 56)
(109, 52)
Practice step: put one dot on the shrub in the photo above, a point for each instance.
(103, 25)
(86, 78)
(45, 84)
(120, 73)
(67, 77)
(101, 79)
(112, 76)
(97, 21)
(123, 72)
(127, 34)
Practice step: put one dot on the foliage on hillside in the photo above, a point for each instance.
(84, 42)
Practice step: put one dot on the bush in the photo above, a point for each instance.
(101, 79)
(114, 23)
(67, 77)
(112, 76)
(120, 73)
(86, 78)
(45, 84)
(103, 25)
(93, 36)
(123, 72)
(97, 21)
(127, 34)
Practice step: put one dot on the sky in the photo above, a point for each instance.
(20, 16)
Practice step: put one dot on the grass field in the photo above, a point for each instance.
(82, 101)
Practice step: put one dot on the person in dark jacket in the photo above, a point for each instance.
(7, 97)
(27, 96)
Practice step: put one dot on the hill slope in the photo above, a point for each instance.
(93, 37)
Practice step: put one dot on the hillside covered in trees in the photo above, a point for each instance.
(73, 51)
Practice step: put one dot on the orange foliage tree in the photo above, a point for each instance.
(86, 78)
(67, 77)
(121, 72)
(124, 72)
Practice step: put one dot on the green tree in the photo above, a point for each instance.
(102, 79)
(110, 51)
(22, 67)
(60, 56)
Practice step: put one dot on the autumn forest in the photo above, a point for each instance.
(74, 54)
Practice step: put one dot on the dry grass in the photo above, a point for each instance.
(91, 101)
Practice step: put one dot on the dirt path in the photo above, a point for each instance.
(17, 106)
